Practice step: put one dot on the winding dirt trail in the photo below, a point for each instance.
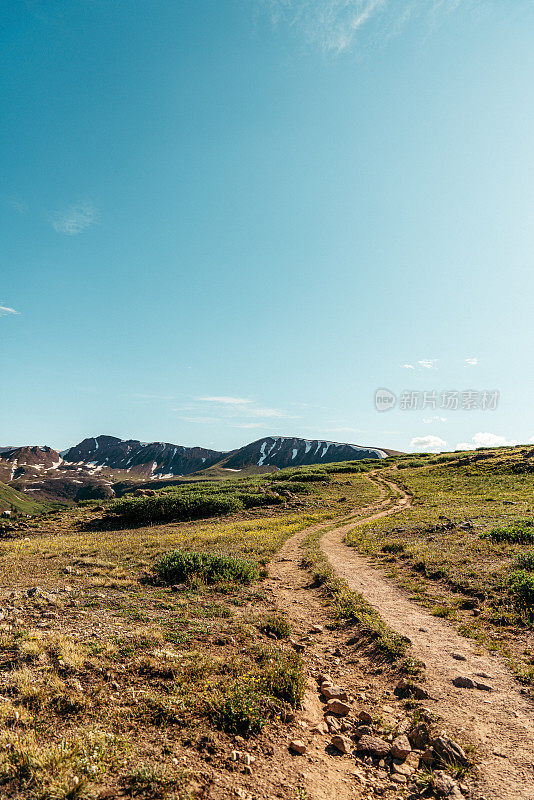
(499, 723)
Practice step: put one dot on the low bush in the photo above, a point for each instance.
(521, 587)
(519, 532)
(208, 567)
(276, 624)
(283, 675)
(174, 507)
(239, 711)
(525, 561)
(393, 547)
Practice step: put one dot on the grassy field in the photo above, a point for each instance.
(112, 681)
(465, 548)
(12, 499)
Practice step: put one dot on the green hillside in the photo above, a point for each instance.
(10, 498)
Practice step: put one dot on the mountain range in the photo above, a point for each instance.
(104, 466)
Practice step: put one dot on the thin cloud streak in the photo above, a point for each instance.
(335, 25)
(6, 311)
(75, 219)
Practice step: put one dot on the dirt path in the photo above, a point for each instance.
(499, 723)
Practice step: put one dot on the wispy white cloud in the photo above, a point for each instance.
(6, 310)
(201, 420)
(471, 362)
(428, 363)
(236, 408)
(435, 418)
(485, 440)
(334, 25)
(408, 366)
(75, 219)
(224, 400)
(428, 444)
(17, 205)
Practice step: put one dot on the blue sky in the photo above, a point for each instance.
(221, 220)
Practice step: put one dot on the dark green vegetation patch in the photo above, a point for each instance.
(183, 565)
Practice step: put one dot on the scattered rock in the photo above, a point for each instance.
(462, 682)
(317, 629)
(363, 730)
(443, 784)
(420, 736)
(297, 746)
(287, 715)
(341, 743)
(374, 746)
(178, 587)
(333, 724)
(448, 751)
(334, 692)
(365, 718)
(338, 707)
(321, 728)
(400, 747)
(397, 778)
(428, 756)
(297, 646)
(484, 687)
(458, 657)
(406, 688)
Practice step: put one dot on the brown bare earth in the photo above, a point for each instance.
(499, 723)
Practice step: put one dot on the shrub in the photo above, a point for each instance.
(525, 561)
(175, 507)
(519, 532)
(311, 477)
(393, 547)
(239, 711)
(209, 567)
(283, 675)
(277, 624)
(521, 586)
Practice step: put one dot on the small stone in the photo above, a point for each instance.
(443, 784)
(321, 728)
(458, 657)
(420, 736)
(406, 688)
(400, 747)
(462, 682)
(297, 746)
(334, 692)
(363, 730)
(178, 587)
(338, 707)
(484, 687)
(396, 778)
(374, 746)
(448, 751)
(428, 756)
(297, 646)
(341, 743)
(317, 629)
(333, 724)
(323, 677)
(365, 718)
(399, 767)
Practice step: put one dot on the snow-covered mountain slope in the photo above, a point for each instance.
(285, 451)
(142, 460)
